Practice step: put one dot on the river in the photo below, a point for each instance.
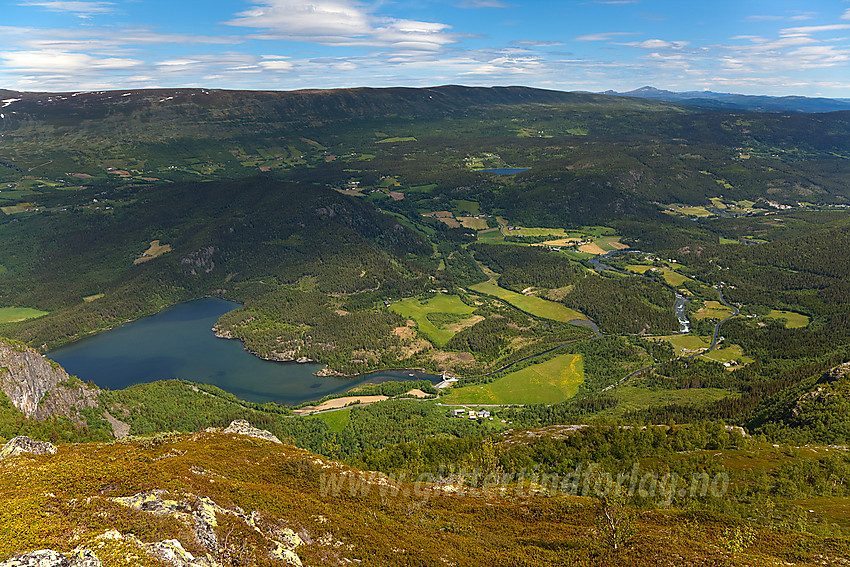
(179, 342)
(679, 307)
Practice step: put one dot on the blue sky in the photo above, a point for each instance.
(755, 47)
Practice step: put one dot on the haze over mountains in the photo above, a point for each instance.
(728, 101)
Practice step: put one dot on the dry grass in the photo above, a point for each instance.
(592, 248)
(156, 250)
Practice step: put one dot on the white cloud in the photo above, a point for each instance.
(846, 15)
(276, 65)
(482, 4)
(56, 61)
(340, 22)
(763, 18)
(606, 36)
(806, 30)
(533, 43)
(81, 8)
(657, 44)
(178, 62)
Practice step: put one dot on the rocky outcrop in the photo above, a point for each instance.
(840, 372)
(50, 558)
(40, 388)
(24, 444)
(242, 427)
(200, 515)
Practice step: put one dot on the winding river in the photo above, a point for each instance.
(679, 307)
(178, 343)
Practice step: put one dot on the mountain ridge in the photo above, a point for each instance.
(727, 101)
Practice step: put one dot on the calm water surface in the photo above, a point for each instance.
(179, 343)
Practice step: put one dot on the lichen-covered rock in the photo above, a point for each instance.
(23, 444)
(199, 513)
(50, 558)
(242, 427)
(171, 551)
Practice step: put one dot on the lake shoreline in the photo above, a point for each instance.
(181, 342)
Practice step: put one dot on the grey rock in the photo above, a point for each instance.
(50, 558)
(41, 388)
(242, 427)
(23, 444)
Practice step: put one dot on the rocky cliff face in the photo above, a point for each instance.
(41, 388)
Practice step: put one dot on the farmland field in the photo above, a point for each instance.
(15, 314)
(522, 231)
(529, 303)
(549, 382)
(154, 251)
(419, 311)
(712, 310)
(674, 278)
(685, 344)
(792, 320)
(336, 420)
(728, 353)
(473, 223)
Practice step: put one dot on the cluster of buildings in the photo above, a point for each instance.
(471, 414)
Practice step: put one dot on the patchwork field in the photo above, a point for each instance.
(549, 382)
(712, 310)
(16, 314)
(438, 318)
(15, 209)
(472, 223)
(728, 354)
(685, 344)
(529, 303)
(792, 320)
(523, 231)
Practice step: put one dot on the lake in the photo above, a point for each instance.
(179, 342)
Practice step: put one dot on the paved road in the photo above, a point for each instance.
(700, 353)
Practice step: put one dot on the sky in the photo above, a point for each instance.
(772, 47)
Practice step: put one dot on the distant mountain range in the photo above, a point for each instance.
(727, 101)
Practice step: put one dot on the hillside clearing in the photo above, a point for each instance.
(550, 382)
(530, 304)
(450, 305)
(17, 314)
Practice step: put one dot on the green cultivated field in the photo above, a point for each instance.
(674, 278)
(728, 353)
(418, 310)
(15, 314)
(549, 382)
(792, 320)
(713, 310)
(336, 420)
(529, 303)
(688, 343)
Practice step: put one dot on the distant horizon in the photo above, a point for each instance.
(611, 92)
(779, 48)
